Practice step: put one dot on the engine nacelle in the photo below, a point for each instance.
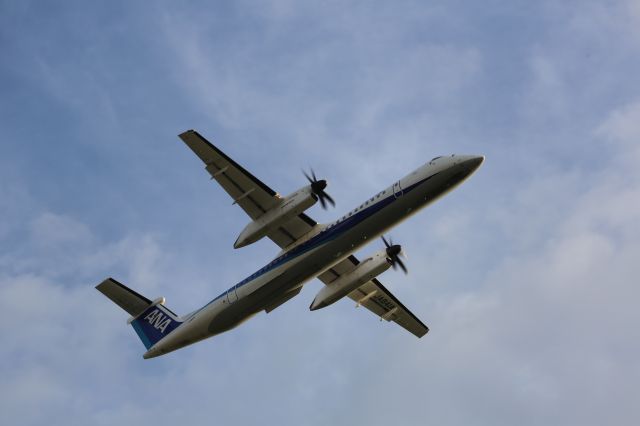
(289, 207)
(365, 271)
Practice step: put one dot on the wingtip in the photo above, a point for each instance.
(185, 133)
(103, 282)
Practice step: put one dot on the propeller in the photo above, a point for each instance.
(318, 186)
(394, 251)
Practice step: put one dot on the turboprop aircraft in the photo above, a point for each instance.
(309, 250)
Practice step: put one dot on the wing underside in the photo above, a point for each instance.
(247, 191)
(376, 298)
(256, 198)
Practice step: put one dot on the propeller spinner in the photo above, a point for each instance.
(394, 251)
(318, 186)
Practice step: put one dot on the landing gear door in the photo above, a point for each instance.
(397, 190)
(232, 296)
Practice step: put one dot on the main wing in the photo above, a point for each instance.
(247, 191)
(256, 198)
(376, 298)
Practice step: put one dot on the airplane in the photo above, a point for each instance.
(308, 250)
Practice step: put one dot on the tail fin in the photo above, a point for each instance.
(151, 320)
(155, 323)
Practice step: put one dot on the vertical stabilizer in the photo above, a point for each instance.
(154, 324)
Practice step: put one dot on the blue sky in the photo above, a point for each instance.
(527, 274)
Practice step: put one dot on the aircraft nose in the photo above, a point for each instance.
(472, 162)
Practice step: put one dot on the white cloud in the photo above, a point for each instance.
(15, 203)
(59, 332)
(50, 229)
(377, 95)
(526, 274)
(551, 326)
(622, 128)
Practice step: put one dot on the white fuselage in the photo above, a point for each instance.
(323, 247)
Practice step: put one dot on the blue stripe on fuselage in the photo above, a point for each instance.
(328, 234)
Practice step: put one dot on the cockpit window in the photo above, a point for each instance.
(434, 159)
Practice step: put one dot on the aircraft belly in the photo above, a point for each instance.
(257, 296)
(232, 316)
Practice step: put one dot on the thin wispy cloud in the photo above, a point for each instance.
(525, 274)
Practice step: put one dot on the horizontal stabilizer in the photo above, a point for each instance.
(133, 303)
